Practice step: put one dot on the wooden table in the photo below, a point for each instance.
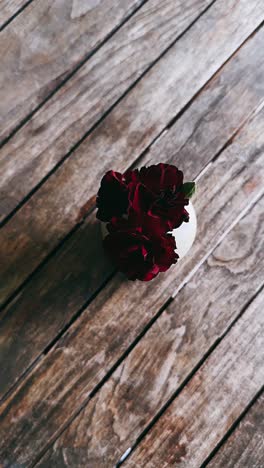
(97, 371)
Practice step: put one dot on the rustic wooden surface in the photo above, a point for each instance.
(45, 44)
(212, 399)
(157, 367)
(88, 360)
(60, 383)
(32, 233)
(44, 144)
(245, 447)
(9, 9)
(64, 120)
(68, 279)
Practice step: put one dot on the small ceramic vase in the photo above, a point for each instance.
(184, 235)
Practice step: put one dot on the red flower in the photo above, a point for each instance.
(156, 190)
(141, 207)
(136, 252)
(163, 195)
(140, 201)
(112, 198)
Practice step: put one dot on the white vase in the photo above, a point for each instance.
(184, 235)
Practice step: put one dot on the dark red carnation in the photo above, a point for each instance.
(161, 177)
(141, 199)
(141, 207)
(163, 195)
(112, 198)
(136, 252)
(156, 190)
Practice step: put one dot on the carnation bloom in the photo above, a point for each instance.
(112, 198)
(136, 252)
(163, 185)
(141, 206)
(155, 190)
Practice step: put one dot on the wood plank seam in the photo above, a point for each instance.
(106, 113)
(78, 314)
(17, 13)
(71, 74)
(245, 446)
(229, 141)
(131, 396)
(98, 122)
(103, 381)
(132, 166)
(53, 342)
(64, 232)
(80, 310)
(236, 132)
(189, 103)
(22, 377)
(232, 428)
(180, 388)
(243, 347)
(114, 271)
(210, 350)
(189, 377)
(76, 94)
(253, 202)
(131, 347)
(75, 228)
(89, 55)
(250, 152)
(177, 290)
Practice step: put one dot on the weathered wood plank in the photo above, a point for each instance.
(212, 401)
(65, 118)
(54, 210)
(245, 447)
(166, 355)
(9, 8)
(62, 381)
(131, 45)
(44, 44)
(70, 278)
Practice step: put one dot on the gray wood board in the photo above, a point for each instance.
(67, 117)
(62, 381)
(44, 44)
(54, 209)
(245, 446)
(78, 270)
(212, 401)
(157, 367)
(10, 8)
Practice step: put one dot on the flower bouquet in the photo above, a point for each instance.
(145, 213)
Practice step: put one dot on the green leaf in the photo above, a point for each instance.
(188, 189)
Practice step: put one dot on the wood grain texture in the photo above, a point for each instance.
(217, 395)
(174, 345)
(54, 210)
(8, 8)
(65, 118)
(44, 44)
(79, 269)
(245, 447)
(62, 380)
